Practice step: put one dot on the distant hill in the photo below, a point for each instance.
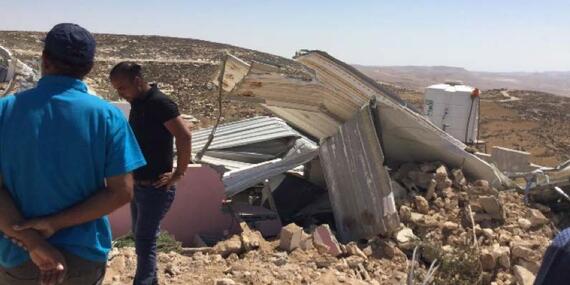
(419, 77)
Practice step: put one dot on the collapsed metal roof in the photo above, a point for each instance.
(334, 94)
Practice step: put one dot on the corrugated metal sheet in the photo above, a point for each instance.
(358, 183)
(241, 179)
(245, 132)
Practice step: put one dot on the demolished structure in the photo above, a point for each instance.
(325, 105)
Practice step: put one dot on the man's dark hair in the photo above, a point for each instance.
(68, 69)
(128, 69)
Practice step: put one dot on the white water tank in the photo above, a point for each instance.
(454, 108)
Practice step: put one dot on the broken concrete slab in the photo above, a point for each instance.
(290, 237)
(510, 160)
(324, 238)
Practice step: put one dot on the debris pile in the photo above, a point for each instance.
(473, 232)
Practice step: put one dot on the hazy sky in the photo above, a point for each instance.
(500, 35)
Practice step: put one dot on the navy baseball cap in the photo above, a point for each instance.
(71, 44)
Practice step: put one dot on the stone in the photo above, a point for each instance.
(306, 242)
(431, 189)
(458, 177)
(416, 218)
(324, 239)
(405, 238)
(492, 207)
(405, 213)
(354, 250)
(450, 226)
(532, 266)
(229, 246)
(250, 239)
(420, 178)
(519, 251)
(354, 261)
(224, 281)
(387, 248)
(488, 260)
(290, 237)
(422, 204)
(537, 218)
(525, 224)
(502, 255)
(488, 233)
(441, 174)
(444, 184)
(523, 276)
(279, 258)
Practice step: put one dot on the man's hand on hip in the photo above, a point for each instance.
(167, 179)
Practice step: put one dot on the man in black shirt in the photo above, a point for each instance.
(155, 120)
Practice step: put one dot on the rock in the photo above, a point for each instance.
(324, 239)
(441, 174)
(354, 261)
(421, 204)
(488, 233)
(492, 207)
(353, 249)
(537, 218)
(417, 218)
(525, 224)
(531, 266)
(420, 178)
(523, 276)
(224, 281)
(325, 261)
(428, 167)
(405, 213)
(431, 189)
(306, 242)
(229, 246)
(450, 226)
(519, 251)
(502, 255)
(458, 177)
(279, 258)
(488, 260)
(446, 183)
(405, 238)
(290, 237)
(387, 248)
(250, 239)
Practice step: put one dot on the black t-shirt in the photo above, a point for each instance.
(147, 118)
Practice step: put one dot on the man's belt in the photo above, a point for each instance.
(145, 183)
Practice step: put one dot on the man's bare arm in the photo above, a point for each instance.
(119, 191)
(10, 216)
(179, 129)
(48, 259)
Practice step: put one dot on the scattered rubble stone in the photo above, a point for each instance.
(324, 238)
(523, 276)
(492, 207)
(421, 204)
(537, 218)
(525, 224)
(290, 237)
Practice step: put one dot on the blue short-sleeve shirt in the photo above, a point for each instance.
(57, 145)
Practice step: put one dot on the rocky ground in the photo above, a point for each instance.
(472, 233)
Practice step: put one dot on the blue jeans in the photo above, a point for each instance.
(148, 208)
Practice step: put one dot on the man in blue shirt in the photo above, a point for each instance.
(66, 159)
